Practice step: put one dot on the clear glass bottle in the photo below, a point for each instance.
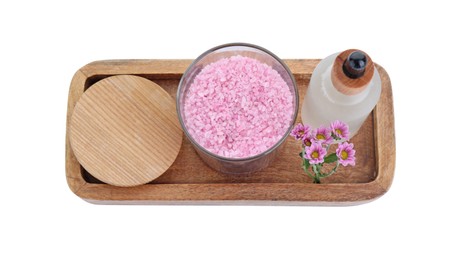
(344, 86)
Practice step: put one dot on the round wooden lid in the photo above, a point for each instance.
(124, 130)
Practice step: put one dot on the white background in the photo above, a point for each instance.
(43, 43)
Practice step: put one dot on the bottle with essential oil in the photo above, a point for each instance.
(344, 86)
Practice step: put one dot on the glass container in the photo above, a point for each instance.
(225, 164)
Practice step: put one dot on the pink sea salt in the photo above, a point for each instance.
(238, 107)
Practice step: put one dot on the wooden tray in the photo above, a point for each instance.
(190, 181)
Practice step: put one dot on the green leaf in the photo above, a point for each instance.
(331, 158)
(306, 163)
(301, 154)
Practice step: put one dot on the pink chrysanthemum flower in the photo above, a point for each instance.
(300, 131)
(323, 135)
(307, 141)
(315, 153)
(340, 130)
(346, 154)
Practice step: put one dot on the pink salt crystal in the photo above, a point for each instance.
(238, 107)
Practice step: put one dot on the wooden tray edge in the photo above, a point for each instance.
(384, 127)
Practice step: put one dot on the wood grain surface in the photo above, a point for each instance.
(124, 130)
(190, 181)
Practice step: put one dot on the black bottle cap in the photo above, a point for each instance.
(354, 66)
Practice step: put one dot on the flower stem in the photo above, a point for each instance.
(317, 174)
(331, 172)
(307, 172)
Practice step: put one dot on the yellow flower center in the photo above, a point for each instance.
(344, 155)
(315, 155)
(301, 133)
(338, 131)
(320, 136)
(307, 142)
